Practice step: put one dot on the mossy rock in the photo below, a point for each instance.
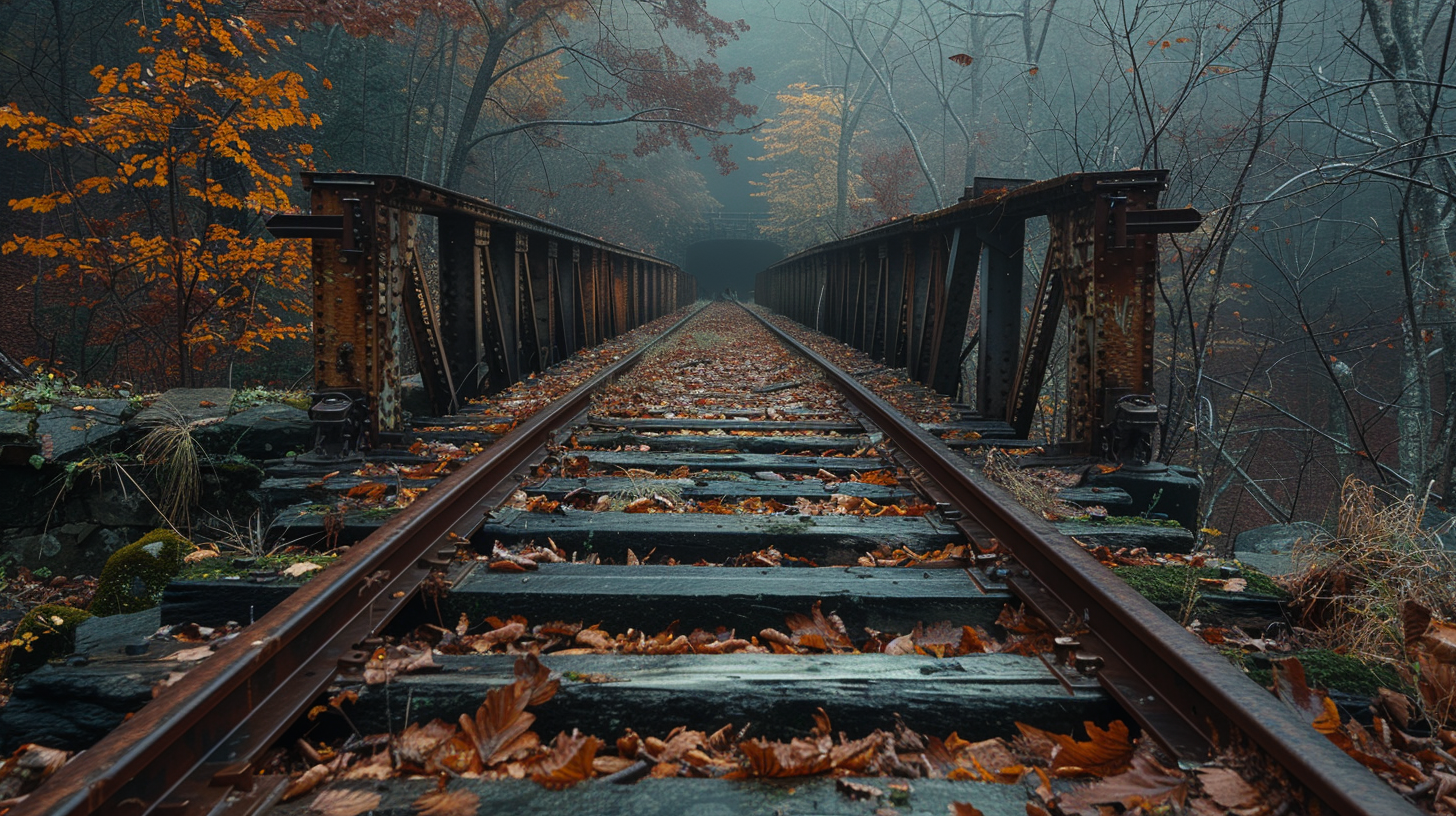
(135, 575)
(47, 631)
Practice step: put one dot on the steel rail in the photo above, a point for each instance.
(1144, 648)
(188, 749)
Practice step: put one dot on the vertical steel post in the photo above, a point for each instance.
(1000, 317)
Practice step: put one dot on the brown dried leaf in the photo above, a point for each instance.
(447, 803)
(1146, 784)
(570, 761)
(368, 491)
(344, 802)
(963, 809)
(499, 721)
(307, 781)
(1314, 706)
(25, 769)
(1228, 789)
(486, 641)
(799, 757)
(857, 792)
(595, 638)
(608, 765)
(1106, 753)
(417, 743)
(1437, 685)
(827, 630)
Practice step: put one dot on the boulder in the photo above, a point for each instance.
(73, 707)
(16, 427)
(1269, 548)
(64, 549)
(75, 428)
(113, 633)
(47, 631)
(264, 432)
(188, 405)
(135, 575)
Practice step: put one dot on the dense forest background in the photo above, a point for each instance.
(1305, 332)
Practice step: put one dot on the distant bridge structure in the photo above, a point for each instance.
(903, 292)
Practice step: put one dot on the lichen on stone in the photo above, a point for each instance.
(47, 631)
(135, 575)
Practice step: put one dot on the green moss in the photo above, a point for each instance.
(1172, 583)
(47, 631)
(247, 398)
(1133, 521)
(1327, 670)
(213, 569)
(135, 575)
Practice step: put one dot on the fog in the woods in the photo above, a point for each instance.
(1305, 332)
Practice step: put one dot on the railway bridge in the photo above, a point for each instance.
(856, 561)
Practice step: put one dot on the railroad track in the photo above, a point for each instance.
(562, 523)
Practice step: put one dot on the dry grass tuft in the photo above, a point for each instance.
(177, 462)
(1033, 491)
(1349, 587)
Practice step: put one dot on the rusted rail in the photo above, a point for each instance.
(1181, 691)
(193, 746)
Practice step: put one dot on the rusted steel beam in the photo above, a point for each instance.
(1101, 273)
(953, 308)
(510, 298)
(1000, 315)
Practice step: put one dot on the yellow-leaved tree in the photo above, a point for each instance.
(152, 219)
(806, 142)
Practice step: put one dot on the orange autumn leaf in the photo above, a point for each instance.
(447, 803)
(775, 760)
(368, 491)
(570, 761)
(820, 631)
(1106, 753)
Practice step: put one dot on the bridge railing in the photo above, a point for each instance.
(515, 294)
(902, 292)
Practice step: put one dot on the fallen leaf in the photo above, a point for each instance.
(195, 653)
(570, 761)
(1146, 785)
(300, 569)
(826, 633)
(344, 802)
(25, 769)
(201, 554)
(857, 792)
(1227, 788)
(1108, 752)
(414, 746)
(447, 803)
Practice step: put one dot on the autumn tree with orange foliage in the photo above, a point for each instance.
(515, 58)
(157, 189)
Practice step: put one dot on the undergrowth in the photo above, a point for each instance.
(1350, 586)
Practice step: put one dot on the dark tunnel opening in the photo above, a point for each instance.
(730, 263)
